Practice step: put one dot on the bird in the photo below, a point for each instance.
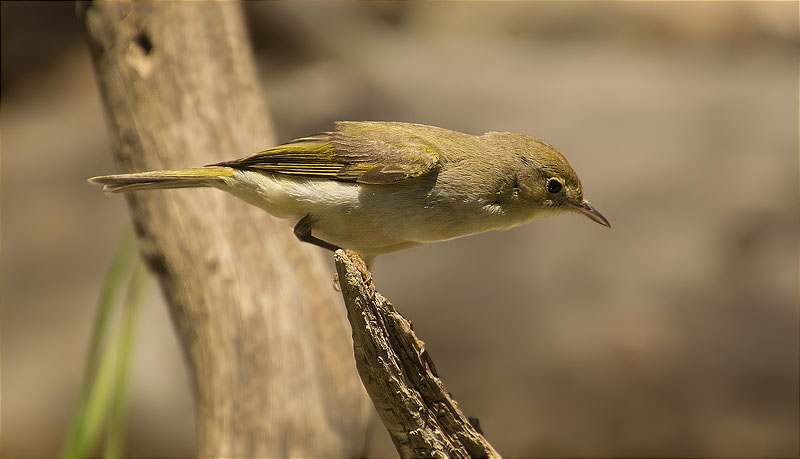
(377, 187)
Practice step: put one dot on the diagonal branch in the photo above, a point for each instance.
(421, 417)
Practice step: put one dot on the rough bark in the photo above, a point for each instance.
(264, 334)
(399, 375)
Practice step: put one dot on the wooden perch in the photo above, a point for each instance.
(399, 375)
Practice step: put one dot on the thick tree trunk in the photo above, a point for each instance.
(265, 334)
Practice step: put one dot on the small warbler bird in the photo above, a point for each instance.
(379, 187)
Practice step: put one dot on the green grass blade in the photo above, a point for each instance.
(84, 426)
(116, 429)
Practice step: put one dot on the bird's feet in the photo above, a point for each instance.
(363, 268)
(336, 285)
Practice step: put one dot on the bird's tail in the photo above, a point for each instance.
(158, 180)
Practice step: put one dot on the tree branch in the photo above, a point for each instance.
(268, 348)
(399, 375)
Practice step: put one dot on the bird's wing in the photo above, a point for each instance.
(373, 153)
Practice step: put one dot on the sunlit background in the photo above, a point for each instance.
(675, 333)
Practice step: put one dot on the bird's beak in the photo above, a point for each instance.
(586, 209)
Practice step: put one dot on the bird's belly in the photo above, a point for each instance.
(373, 234)
(386, 221)
(369, 219)
(337, 211)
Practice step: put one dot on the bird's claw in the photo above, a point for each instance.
(336, 284)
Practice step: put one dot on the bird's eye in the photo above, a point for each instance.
(554, 185)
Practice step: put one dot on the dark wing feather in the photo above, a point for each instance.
(363, 152)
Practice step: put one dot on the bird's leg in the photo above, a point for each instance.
(303, 232)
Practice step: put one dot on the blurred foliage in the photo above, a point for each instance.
(101, 404)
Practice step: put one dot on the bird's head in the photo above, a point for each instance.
(546, 179)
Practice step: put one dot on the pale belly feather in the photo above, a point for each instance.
(370, 219)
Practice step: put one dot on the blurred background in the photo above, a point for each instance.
(673, 334)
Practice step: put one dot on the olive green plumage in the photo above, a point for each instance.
(363, 152)
(377, 187)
